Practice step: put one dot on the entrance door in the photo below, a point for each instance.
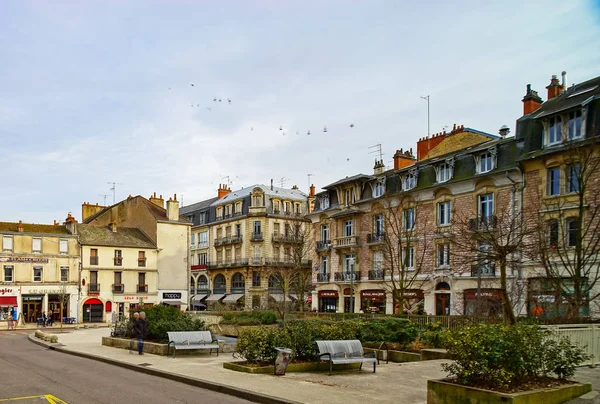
(93, 311)
(348, 306)
(31, 311)
(442, 304)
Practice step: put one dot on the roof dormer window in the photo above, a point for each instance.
(325, 202)
(445, 170)
(379, 189)
(575, 124)
(410, 180)
(554, 130)
(485, 161)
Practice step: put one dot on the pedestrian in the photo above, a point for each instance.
(144, 331)
(10, 322)
(139, 325)
(44, 319)
(114, 317)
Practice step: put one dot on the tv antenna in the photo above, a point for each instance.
(104, 195)
(282, 181)
(377, 149)
(228, 177)
(309, 175)
(427, 98)
(114, 190)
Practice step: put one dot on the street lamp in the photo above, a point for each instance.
(351, 262)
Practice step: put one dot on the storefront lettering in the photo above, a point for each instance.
(171, 295)
(26, 259)
(373, 294)
(47, 291)
(4, 291)
(134, 297)
(328, 293)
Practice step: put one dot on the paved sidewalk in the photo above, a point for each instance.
(406, 383)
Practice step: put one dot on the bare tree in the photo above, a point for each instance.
(63, 298)
(483, 243)
(404, 245)
(567, 245)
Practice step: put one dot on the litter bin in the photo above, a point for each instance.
(282, 360)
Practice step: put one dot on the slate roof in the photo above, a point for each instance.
(283, 193)
(575, 95)
(458, 142)
(156, 211)
(103, 236)
(34, 228)
(196, 206)
(362, 177)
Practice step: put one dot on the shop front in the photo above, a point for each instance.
(372, 301)
(414, 302)
(93, 310)
(328, 301)
(126, 303)
(483, 302)
(8, 303)
(32, 307)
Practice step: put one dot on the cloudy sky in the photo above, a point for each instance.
(93, 92)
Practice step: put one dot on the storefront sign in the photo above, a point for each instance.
(5, 291)
(483, 293)
(544, 298)
(26, 259)
(373, 294)
(171, 295)
(137, 298)
(33, 298)
(328, 293)
(412, 294)
(47, 291)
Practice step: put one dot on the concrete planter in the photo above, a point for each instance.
(433, 354)
(444, 392)
(395, 356)
(292, 367)
(230, 330)
(160, 349)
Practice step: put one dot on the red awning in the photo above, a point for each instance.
(10, 301)
(92, 301)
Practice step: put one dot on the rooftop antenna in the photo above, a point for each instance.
(309, 175)
(114, 190)
(104, 195)
(377, 149)
(182, 200)
(427, 98)
(228, 178)
(282, 181)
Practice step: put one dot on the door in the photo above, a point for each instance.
(442, 304)
(348, 306)
(93, 311)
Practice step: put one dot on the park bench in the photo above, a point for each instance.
(192, 340)
(344, 352)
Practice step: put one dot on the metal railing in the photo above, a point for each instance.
(375, 275)
(346, 276)
(94, 260)
(483, 271)
(323, 277)
(142, 288)
(257, 236)
(323, 245)
(93, 287)
(374, 238)
(118, 288)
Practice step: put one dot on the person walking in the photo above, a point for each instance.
(139, 325)
(10, 322)
(144, 332)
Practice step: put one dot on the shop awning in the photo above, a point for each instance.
(233, 298)
(8, 301)
(199, 298)
(278, 297)
(293, 296)
(215, 297)
(173, 302)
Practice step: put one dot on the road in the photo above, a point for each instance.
(28, 370)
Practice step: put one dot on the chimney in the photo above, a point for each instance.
(531, 101)
(554, 88)
(403, 159)
(56, 223)
(173, 208)
(564, 81)
(87, 210)
(295, 187)
(271, 184)
(379, 167)
(504, 131)
(223, 190)
(312, 190)
(20, 226)
(426, 144)
(113, 226)
(71, 224)
(158, 201)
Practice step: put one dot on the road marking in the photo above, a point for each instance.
(49, 398)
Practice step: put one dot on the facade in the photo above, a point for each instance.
(241, 242)
(39, 271)
(358, 223)
(165, 245)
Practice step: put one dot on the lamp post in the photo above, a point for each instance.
(351, 262)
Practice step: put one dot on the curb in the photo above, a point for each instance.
(205, 384)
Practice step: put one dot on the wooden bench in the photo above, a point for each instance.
(192, 340)
(344, 352)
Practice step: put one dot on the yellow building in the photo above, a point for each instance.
(39, 271)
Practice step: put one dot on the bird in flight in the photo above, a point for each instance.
(351, 125)
(280, 127)
(229, 101)
(252, 128)
(325, 129)
(192, 84)
(208, 108)
(308, 133)
(219, 100)
(215, 99)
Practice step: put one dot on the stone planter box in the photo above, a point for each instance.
(395, 356)
(230, 330)
(442, 392)
(433, 354)
(292, 367)
(160, 349)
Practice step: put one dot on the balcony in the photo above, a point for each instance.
(324, 245)
(276, 211)
(93, 288)
(142, 288)
(375, 238)
(346, 276)
(279, 238)
(483, 271)
(323, 277)
(279, 262)
(233, 263)
(343, 242)
(256, 261)
(118, 288)
(118, 261)
(199, 266)
(237, 214)
(228, 240)
(141, 262)
(212, 265)
(203, 244)
(483, 223)
(257, 237)
(94, 260)
(375, 275)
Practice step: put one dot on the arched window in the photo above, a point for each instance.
(275, 283)
(442, 286)
(219, 282)
(237, 281)
(202, 282)
(192, 284)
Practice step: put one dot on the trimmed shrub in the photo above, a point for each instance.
(433, 335)
(254, 317)
(398, 330)
(258, 344)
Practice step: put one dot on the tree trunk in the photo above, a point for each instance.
(507, 310)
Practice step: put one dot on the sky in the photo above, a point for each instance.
(93, 92)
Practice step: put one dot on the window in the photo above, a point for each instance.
(228, 255)
(377, 261)
(553, 233)
(348, 230)
(379, 188)
(276, 252)
(37, 274)
(93, 256)
(572, 232)
(324, 264)
(193, 240)
(444, 172)
(486, 206)
(255, 278)
(36, 245)
(378, 225)
(257, 227)
(348, 198)
(286, 230)
(238, 230)
(238, 207)
(574, 124)
(64, 274)
(408, 256)
(219, 233)
(237, 281)
(349, 263)
(257, 252)
(325, 202)
(276, 206)
(228, 211)
(202, 259)
(141, 258)
(202, 217)
(118, 258)
(486, 162)
(118, 278)
(286, 206)
(219, 282)
(219, 213)
(443, 255)
(276, 229)
(408, 217)
(287, 253)
(554, 130)
(228, 231)
(202, 283)
(409, 181)
(8, 273)
(297, 208)
(63, 246)
(203, 239)
(484, 267)
(7, 243)
(142, 280)
(443, 213)
(553, 181)
(573, 175)
(325, 233)
(257, 200)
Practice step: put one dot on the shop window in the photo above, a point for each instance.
(237, 281)
(219, 283)
(202, 282)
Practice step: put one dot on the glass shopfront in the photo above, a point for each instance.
(414, 302)
(328, 301)
(32, 307)
(483, 302)
(54, 306)
(372, 301)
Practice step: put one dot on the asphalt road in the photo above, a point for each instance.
(27, 370)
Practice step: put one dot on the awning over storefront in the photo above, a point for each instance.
(233, 298)
(293, 296)
(215, 297)
(199, 298)
(8, 301)
(172, 302)
(278, 297)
